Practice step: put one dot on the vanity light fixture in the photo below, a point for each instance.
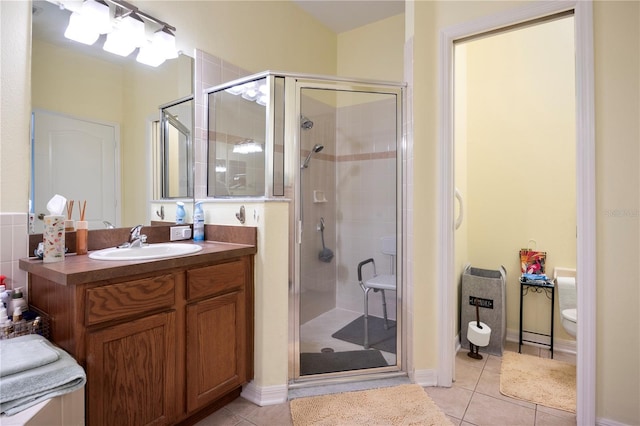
(127, 34)
(247, 146)
(126, 26)
(251, 91)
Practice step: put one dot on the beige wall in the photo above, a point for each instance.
(521, 183)
(15, 93)
(360, 50)
(617, 67)
(617, 43)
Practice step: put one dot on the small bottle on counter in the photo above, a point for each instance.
(17, 301)
(180, 213)
(4, 296)
(198, 223)
(82, 236)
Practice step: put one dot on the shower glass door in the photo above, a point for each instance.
(348, 211)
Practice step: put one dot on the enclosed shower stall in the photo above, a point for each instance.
(333, 148)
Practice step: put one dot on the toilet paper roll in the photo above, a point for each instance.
(566, 282)
(478, 336)
(53, 239)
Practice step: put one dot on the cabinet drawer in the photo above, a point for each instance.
(130, 298)
(216, 279)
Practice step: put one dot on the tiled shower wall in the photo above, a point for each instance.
(13, 240)
(366, 197)
(318, 278)
(356, 174)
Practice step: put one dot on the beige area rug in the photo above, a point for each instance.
(539, 380)
(396, 405)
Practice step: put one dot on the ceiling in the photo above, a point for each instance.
(345, 15)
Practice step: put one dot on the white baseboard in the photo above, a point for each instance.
(559, 345)
(425, 377)
(262, 396)
(606, 422)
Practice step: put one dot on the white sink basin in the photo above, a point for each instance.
(152, 251)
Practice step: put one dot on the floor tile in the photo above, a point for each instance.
(545, 419)
(494, 363)
(466, 376)
(565, 357)
(463, 358)
(452, 401)
(555, 412)
(486, 410)
(272, 415)
(222, 417)
(455, 421)
(489, 384)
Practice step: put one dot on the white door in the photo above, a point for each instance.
(79, 160)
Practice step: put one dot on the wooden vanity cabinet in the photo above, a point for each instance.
(158, 349)
(217, 355)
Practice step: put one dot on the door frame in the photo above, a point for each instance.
(294, 84)
(585, 189)
(117, 166)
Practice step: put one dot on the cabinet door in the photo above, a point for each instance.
(216, 348)
(131, 372)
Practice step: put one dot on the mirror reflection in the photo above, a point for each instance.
(83, 84)
(237, 123)
(176, 149)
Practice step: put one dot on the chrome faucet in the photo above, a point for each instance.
(136, 239)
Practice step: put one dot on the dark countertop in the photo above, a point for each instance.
(80, 269)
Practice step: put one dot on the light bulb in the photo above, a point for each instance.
(80, 30)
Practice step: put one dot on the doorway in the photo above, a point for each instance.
(78, 159)
(348, 292)
(585, 183)
(515, 160)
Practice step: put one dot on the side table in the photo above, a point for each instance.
(537, 286)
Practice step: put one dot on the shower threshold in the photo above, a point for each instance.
(324, 386)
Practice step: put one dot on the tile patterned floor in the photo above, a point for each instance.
(474, 399)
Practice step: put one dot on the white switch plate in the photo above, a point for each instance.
(180, 233)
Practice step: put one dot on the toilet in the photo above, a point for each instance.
(565, 279)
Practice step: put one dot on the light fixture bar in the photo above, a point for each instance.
(126, 26)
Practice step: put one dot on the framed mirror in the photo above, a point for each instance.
(88, 84)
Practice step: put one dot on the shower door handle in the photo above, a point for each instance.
(461, 210)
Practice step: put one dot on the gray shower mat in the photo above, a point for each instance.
(331, 362)
(379, 338)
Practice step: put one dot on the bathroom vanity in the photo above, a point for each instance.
(162, 341)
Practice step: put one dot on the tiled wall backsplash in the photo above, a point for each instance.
(13, 246)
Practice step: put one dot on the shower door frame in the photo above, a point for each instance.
(293, 92)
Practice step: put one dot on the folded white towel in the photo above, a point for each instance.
(24, 353)
(24, 389)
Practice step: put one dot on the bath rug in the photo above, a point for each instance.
(330, 362)
(379, 338)
(397, 405)
(542, 381)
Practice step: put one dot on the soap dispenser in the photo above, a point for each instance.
(198, 223)
(180, 213)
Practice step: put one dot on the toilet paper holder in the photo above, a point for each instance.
(478, 334)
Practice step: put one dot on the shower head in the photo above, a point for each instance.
(316, 148)
(305, 123)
